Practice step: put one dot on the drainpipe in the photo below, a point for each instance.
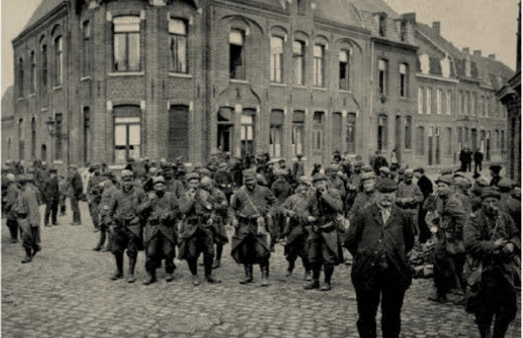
(371, 98)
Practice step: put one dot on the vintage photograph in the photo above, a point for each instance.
(261, 169)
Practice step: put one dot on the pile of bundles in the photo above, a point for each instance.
(422, 260)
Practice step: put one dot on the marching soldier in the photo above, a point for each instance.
(173, 185)
(295, 231)
(10, 199)
(224, 180)
(51, 194)
(28, 217)
(196, 236)
(252, 205)
(161, 210)
(126, 225)
(491, 238)
(108, 188)
(324, 243)
(281, 189)
(220, 217)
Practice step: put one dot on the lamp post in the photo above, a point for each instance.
(50, 123)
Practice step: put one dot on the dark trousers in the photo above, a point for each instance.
(200, 242)
(125, 239)
(93, 210)
(159, 247)
(477, 165)
(62, 205)
(12, 224)
(75, 209)
(51, 209)
(391, 303)
(469, 166)
(30, 239)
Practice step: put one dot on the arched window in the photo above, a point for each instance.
(404, 74)
(86, 48)
(344, 63)
(319, 65)
(33, 73)
(44, 76)
(20, 77)
(33, 138)
(298, 133)
(237, 54)
(276, 59)
(247, 132)
(383, 76)
(298, 59)
(225, 124)
(58, 61)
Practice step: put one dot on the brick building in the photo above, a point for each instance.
(457, 107)
(8, 130)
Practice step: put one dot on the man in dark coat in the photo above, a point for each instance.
(160, 209)
(224, 181)
(76, 193)
(495, 169)
(478, 160)
(94, 195)
(281, 189)
(365, 197)
(51, 195)
(492, 239)
(10, 200)
(252, 205)
(298, 169)
(108, 188)
(28, 217)
(126, 227)
(324, 243)
(427, 188)
(378, 162)
(463, 159)
(379, 238)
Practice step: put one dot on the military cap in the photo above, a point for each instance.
(193, 176)
(463, 182)
(249, 175)
(10, 177)
(206, 182)
(158, 179)
(127, 175)
(301, 187)
(495, 168)
(318, 178)
(358, 164)
(490, 192)
(153, 171)
(505, 185)
(304, 180)
(205, 172)
(299, 155)
(409, 172)
(222, 165)
(366, 168)
(368, 176)
(385, 170)
(386, 185)
(482, 181)
(447, 179)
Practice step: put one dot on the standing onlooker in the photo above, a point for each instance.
(298, 169)
(426, 187)
(469, 159)
(394, 163)
(10, 200)
(28, 217)
(63, 186)
(51, 195)
(478, 160)
(76, 193)
(495, 169)
(378, 162)
(463, 159)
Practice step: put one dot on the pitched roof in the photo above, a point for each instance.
(491, 72)
(439, 40)
(45, 7)
(341, 11)
(8, 102)
(375, 6)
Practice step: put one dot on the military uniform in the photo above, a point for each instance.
(10, 199)
(76, 195)
(161, 212)
(126, 225)
(281, 190)
(51, 194)
(28, 217)
(94, 197)
(409, 199)
(249, 244)
(108, 190)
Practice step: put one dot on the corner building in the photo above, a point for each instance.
(158, 78)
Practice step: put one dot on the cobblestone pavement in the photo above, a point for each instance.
(66, 292)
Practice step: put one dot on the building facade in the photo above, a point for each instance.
(8, 130)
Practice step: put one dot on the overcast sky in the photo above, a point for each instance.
(487, 25)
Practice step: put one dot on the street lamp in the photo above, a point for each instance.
(50, 129)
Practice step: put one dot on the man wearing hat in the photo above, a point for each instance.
(295, 232)
(28, 217)
(196, 237)
(76, 193)
(379, 239)
(220, 216)
(126, 227)
(513, 206)
(462, 186)
(160, 209)
(491, 238)
(51, 195)
(335, 181)
(451, 218)
(298, 169)
(409, 198)
(384, 172)
(94, 195)
(172, 184)
(281, 190)
(321, 215)
(426, 187)
(366, 197)
(495, 169)
(10, 200)
(252, 205)
(223, 180)
(108, 189)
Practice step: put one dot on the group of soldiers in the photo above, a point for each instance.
(376, 213)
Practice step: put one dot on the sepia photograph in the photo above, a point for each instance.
(261, 169)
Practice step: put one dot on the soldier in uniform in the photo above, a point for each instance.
(409, 198)
(324, 242)
(220, 217)
(295, 232)
(366, 197)
(108, 189)
(51, 194)
(379, 238)
(126, 226)
(252, 205)
(76, 193)
(495, 169)
(28, 217)
(425, 185)
(224, 181)
(10, 199)
(281, 189)
(335, 181)
(449, 251)
(94, 195)
(161, 210)
(353, 186)
(173, 185)
(492, 239)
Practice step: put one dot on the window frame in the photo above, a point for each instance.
(132, 120)
(174, 65)
(345, 83)
(408, 132)
(32, 83)
(58, 149)
(86, 48)
(21, 77)
(127, 39)
(58, 68)
(277, 60)
(404, 76)
(241, 66)
(429, 100)
(319, 66)
(383, 77)
(301, 57)
(295, 127)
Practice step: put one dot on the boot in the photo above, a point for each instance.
(97, 248)
(290, 268)
(151, 278)
(328, 270)
(308, 276)
(216, 264)
(265, 274)
(169, 277)
(315, 283)
(213, 280)
(36, 248)
(28, 256)
(118, 274)
(130, 274)
(207, 261)
(195, 280)
(101, 242)
(248, 274)
(217, 259)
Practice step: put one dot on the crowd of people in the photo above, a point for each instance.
(369, 216)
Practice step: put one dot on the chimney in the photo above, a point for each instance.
(436, 25)
(466, 50)
(411, 17)
(492, 56)
(477, 52)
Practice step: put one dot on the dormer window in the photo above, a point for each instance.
(302, 5)
(445, 66)
(403, 30)
(424, 62)
(382, 25)
(468, 68)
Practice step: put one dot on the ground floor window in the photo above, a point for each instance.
(382, 132)
(276, 133)
(127, 138)
(420, 141)
(43, 152)
(247, 133)
(298, 133)
(178, 136)
(351, 133)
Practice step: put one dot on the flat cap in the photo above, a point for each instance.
(366, 168)
(495, 168)
(158, 179)
(126, 175)
(304, 180)
(206, 182)
(249, 175)
(409, 172)
(463, 182)
(505, 184)
(386, 185)
(447, 179)
(385, 170)
(153, 171)
(482, 181)
(193, 176)
(318, 178)
(490, 192)
(368, 176)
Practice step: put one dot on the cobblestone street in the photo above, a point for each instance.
(66, 292)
